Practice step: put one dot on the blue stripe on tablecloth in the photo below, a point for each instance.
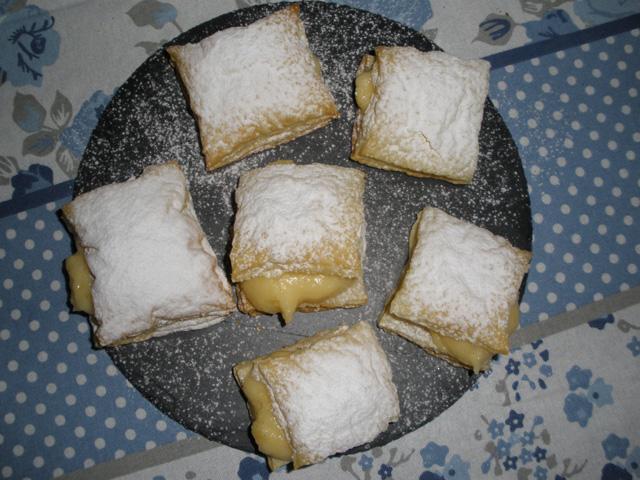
(538, 49)
(497, 60)
(37, 198)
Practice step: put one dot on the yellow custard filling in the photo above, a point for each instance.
(469, 354)
(463, 352)
(80, 282)
(364, 89)
(265, 429)
(283, 294)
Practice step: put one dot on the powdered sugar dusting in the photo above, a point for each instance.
(410, 122)
(245, 82)
(297, 218)
(149, 256)
(333, 393)
(149, 121)
(461, 280)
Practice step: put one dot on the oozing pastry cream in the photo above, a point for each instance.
(322, 395)
(457, 298)
(265, 429)
(298, 239)
(459, 352)
(364, 87)
(80, 282)
(466, 353)
(285, 293)
(144, 267)
(419, 112)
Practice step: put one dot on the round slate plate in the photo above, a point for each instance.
(188, 375)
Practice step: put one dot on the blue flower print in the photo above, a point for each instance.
(615, 446)
(365, 462)
(28, 42)
(414, 13)
(503, 449)
(578, 409)
(535, 344)
(524, 449)
(515, 420)
(512, 367)
(527, 438)
(385, 471)
(600, 393)
(578, 378)
(456, 469)
(614, 472)
(453, 469)
(510, 463)
(601, 323)
(634, 346)
(529, 359)
(540, 454)
(514, 439)
(525, 372)
(525, 380)
(546, 370)
(555, 22)
(252, 469)
(76, 136)
(434, 454)
(633, 462)
(540, 473)
(495, 428)
(525, 456)
(594, 12)
(34, 178)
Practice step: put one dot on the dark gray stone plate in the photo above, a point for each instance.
(188, 375)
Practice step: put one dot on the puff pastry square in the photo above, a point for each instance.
(458, 298)
(254, 87)
(299, 225)
(144, 267)
(322, 395)
(420, 112)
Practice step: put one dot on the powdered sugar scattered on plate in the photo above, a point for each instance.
(148, 121)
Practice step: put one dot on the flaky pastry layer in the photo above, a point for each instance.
(254, 87)
(330, 392)
(153, 269)
(417, 334)
(424, 114)
(299, 219)
(461, 281)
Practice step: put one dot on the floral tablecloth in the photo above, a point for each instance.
(564, 404)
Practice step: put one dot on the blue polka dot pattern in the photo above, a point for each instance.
(575, 117)
(65, 405)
